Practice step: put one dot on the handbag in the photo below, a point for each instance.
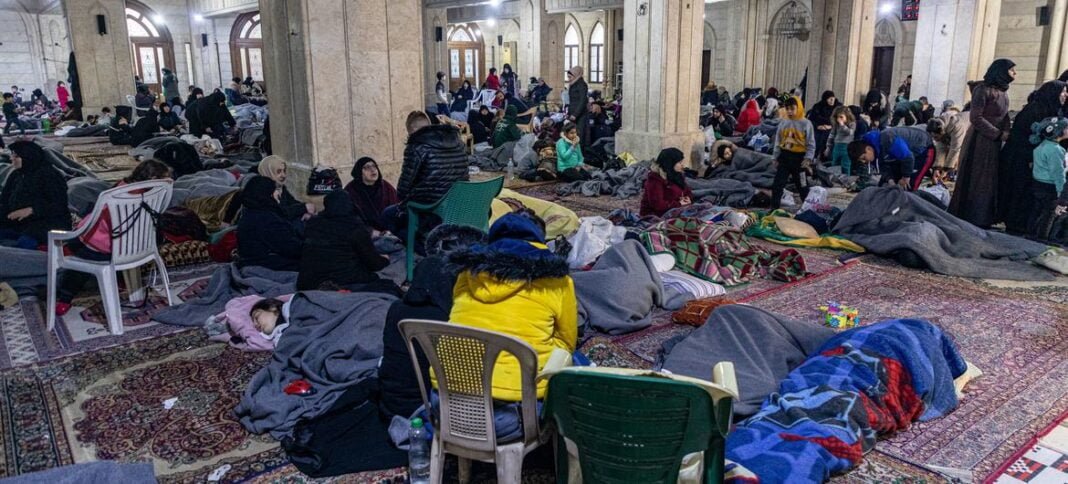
(696, 312)
(323, 180)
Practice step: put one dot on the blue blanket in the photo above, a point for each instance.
(861, 383)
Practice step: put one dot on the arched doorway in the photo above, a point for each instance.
(884, 56)
(246, 47)
(466, 55)
(788, 46)
(151, 44)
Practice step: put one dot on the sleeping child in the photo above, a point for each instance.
(251, 323)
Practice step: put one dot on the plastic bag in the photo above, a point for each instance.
(523, 153)
(816, 200)
(760, 142)
(594, 236)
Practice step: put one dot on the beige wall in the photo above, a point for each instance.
(104, 65)
(1021, 39)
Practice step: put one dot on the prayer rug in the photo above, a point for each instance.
(26, 338)
(116, 404)
(1044, 458)
(1019, 341)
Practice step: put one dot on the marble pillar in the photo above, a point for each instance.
(1055, 54)
(105, 67)
(957, 39)
(662, 45)
(435, 53)
(347, 73)
(841, 44)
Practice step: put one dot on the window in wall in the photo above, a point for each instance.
(597, 54)
(571, 48)
(246, 47)
(151, 46)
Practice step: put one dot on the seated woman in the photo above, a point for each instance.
(274, 167)
(95, 243)
(507, 130)
(515, 285)
(265, 237)
(338, 251)
(370, 193)
(122, 134)
(33, 200)
(570, 166)
(481, 123)
(665, 188)
(168, 119)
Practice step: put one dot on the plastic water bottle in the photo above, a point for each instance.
(46, 125)
(511, 170)
(418, 453)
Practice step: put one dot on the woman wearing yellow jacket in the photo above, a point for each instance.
(514, 285)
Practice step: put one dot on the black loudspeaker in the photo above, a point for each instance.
(619, 35)
(203, 40)
(101, 25)
(439, 34)
(1043, 15)
(500, 40)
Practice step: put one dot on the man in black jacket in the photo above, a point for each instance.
(578, 95)
(434, 158)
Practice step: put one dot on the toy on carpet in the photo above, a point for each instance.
(839, 316)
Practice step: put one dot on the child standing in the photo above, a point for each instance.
(844, 125)
(794, 147)
(1047, 186)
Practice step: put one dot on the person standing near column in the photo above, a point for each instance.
(578, 95)
(976, 194)
(442, 95)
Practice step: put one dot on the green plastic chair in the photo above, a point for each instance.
(637, 428)
(466, 203)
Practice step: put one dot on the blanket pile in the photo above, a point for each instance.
(747, 166)
(894, 223)
(229, 282)
(720, 253)
(861, 383)
(622, 183)
(333, 342)
(722, 192)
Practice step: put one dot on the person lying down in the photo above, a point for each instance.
(251, 323)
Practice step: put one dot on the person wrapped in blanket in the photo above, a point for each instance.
(545, 169)
(514, 285)
(896, 150)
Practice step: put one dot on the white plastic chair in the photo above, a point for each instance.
(134, 247)
(462, 359)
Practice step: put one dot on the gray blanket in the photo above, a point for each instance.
(227, 283)
(763, 346)
(495, 159)
(620, 292)
(623, 183)
(894, 223)
(208, 183)
(333, 342)
(88, 131)
(24, 270)
(748, 166)
(147, 148)
(82, 193)
(722, 192)
(102, 471)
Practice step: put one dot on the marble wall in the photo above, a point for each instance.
(34, 49)
(1021, 39)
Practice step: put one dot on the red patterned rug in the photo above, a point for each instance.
(1019, 341)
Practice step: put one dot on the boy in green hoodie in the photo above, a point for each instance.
(507, 130)
(794, 147)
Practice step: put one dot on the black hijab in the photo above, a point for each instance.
(1046, 100)
(33, 156)
(998, 74)
(258, 194)
(666, 160)
(337, 204)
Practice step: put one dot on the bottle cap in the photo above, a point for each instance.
(417, 423)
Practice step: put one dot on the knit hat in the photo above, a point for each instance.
(1048, 129)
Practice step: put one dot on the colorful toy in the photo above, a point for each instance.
(839, 316)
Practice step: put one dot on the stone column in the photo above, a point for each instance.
(661, 78)
(435, 54)
(1054, 48)
(958, 38)
(346, 75)
(843, 35)
(105, 68)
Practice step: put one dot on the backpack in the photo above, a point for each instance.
(179, 224)
(182, 157)
(323, 180)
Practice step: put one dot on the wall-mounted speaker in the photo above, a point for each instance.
(500, 40)
(619, 35)
(101, 25)
(1043, 15)
(203, 40)
(439, 34)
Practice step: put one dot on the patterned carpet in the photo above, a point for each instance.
(1043, 459)
(26, 338)
(1019, 341)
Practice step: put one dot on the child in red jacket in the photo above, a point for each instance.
(665, 188)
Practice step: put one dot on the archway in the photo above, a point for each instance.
(572, 46)
(788, 50)
(885, 54)
(597, 54)
(151, 44)
(246, 47)
(466, 56)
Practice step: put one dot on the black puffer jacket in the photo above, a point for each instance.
(338, 247)
(434, 159)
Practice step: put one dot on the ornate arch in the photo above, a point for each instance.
(466, 55)
(246, 46)
(151, 44)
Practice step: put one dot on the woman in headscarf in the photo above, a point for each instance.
(338, 251)
(481, 124)
(265, 237)
(749, 117)
(820, 115)
(370, 194)
(33, 200)
(976, 193)
(665, 187)
(274, 167)
(509, 81)
(877, 108)
(1014, 174)
(212, 115)
(168, 119)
